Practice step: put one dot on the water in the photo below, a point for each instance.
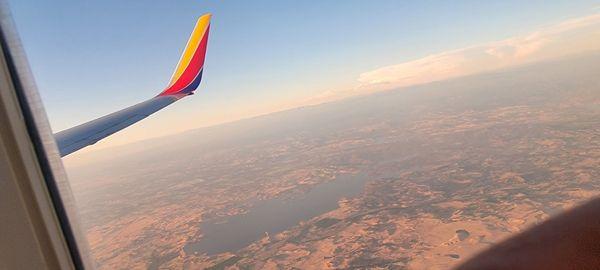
(274, 216)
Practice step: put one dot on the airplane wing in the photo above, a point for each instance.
(184, 81)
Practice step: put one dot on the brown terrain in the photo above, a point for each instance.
(449, 168)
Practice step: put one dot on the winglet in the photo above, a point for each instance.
(188, 73)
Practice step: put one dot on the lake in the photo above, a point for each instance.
(274, 216)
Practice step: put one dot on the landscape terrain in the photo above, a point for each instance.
(421, 177)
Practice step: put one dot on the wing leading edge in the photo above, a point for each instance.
(185, 80)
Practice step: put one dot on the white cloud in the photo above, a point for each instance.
(569, 37)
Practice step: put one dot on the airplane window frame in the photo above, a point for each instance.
(45, 191)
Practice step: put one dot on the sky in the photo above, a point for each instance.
(90, 58)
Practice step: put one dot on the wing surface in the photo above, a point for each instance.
(185, 80)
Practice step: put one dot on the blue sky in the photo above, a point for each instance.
(90, 58)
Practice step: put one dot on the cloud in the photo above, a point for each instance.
(569, 37)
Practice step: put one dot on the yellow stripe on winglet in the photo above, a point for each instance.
(192, 45)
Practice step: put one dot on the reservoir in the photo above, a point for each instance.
(274, 216)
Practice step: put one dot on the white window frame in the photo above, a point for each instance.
(38, 218)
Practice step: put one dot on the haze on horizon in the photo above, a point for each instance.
(311, 116)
